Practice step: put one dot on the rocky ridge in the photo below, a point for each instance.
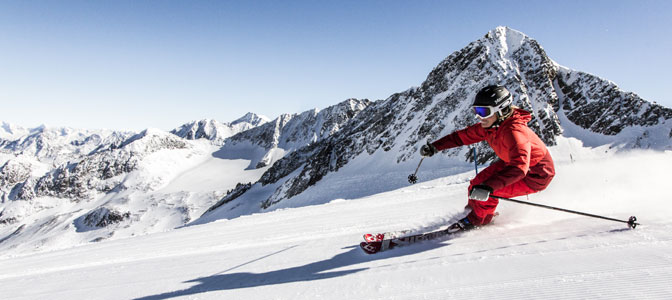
(267, 143)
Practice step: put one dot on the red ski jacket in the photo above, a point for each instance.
(524, 154)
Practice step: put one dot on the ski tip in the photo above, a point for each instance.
(370, 238)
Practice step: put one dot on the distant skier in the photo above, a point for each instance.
(524, 166)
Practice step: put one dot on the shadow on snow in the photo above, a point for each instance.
(310, 272)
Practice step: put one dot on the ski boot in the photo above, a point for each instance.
(460, 225)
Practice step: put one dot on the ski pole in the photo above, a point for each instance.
(412, 178)
(631, 222)
(475, 162)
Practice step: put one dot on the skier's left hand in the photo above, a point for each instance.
(428, 150)
(480, 192)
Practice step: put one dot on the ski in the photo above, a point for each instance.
(389, 243)
(369, 237)
(375, 243)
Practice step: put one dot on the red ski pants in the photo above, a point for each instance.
(483, 211)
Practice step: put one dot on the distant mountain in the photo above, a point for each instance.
(557, 96)
(252, 119)
(271, 141)
(66, 186)
(218, 132)
(55, 173)
(10, 131)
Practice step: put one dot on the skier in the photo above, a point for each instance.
(524, 166)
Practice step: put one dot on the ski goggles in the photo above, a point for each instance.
(484, 111)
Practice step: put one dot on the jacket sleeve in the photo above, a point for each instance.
(470, 135)
(519, 147)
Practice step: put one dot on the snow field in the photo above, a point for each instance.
(311, 252)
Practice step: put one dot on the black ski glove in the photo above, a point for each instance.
(428, 150)
(480, 192)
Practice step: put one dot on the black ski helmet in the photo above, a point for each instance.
(492, 99)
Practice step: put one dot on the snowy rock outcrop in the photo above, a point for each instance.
(102, 217)
(13, 172)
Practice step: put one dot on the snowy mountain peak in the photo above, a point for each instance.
(151, 140)
(506, 38)
(218, 132)
(252, 119)
(11, 131)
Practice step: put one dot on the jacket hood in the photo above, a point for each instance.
(520, 116)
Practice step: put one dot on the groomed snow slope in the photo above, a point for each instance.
(311, 253)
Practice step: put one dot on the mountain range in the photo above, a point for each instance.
(60, 187)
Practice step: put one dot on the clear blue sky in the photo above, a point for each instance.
(139, 64)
